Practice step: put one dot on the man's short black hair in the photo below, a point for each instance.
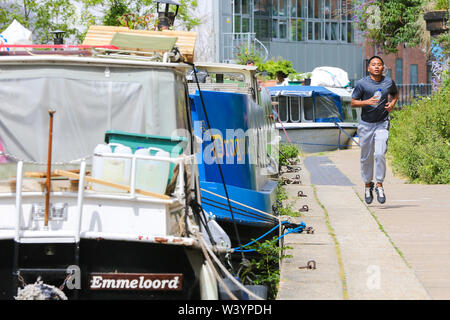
(374, 58)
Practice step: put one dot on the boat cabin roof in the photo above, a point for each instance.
(94, 61)
(228, 67)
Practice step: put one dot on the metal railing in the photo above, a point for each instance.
(177, 196)
(233, 43)
(408, 92)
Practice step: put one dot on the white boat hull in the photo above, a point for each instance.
(317, 136)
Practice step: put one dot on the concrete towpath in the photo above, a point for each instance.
(398, 250)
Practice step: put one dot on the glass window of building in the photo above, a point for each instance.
(295, 20)
(389, 73)
(279, 19)
(413, 74)
(399, 71)
(317, 30)
(242, 16)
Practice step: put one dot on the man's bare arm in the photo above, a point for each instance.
(361, 103)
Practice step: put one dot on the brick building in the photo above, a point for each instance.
(407, 66)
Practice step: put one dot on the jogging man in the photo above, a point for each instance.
(372, 93)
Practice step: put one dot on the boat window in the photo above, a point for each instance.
(325, 108)
(308, 109)
(283, 108)
(354, 114)
(294, 108)
(350, 114)
(347, 111)
(220, 81)
(227, 78)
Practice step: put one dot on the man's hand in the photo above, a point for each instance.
(390, 106)
(372, 102)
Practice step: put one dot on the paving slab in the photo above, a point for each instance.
(416, 218)
(324, 282)
(373, 268)
(356, 256)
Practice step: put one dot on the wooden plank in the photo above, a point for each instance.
(112, 184)
(39, 174)
(102, 35)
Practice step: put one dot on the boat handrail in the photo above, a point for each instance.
(178, 193)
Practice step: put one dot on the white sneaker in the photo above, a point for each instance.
(381, 197)
(369, 193)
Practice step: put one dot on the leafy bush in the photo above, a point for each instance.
(245, 54)
(419, 139)
(281, 194)
(273, 66)
(287, 151)
(441, 5)
(264, 268)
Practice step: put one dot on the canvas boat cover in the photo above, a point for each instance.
(328, 105)
(89, 100)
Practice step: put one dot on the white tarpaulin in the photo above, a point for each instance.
(88, 101)
(329, 77)
(16, 34)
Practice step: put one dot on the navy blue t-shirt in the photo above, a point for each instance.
(366, 88)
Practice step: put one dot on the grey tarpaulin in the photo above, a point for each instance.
(88, 101)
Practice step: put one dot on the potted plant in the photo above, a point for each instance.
(295, 79)
(307, 78)
(274, 66)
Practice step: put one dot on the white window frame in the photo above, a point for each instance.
(300, 103)
(303, 110)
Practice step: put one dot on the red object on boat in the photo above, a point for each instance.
(56, 46)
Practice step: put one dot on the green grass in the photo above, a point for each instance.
(263, 268)
(419, 144)
(288, 151)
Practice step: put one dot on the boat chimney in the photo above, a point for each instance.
(166, 19)
(58, 37)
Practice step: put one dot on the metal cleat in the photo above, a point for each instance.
(300, 194)
(309, 230)
(310, 265)
(305, 208)
(292, 169)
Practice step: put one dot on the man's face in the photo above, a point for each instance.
(376, 67)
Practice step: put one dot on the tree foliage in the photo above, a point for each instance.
(141, 14)
(41, 17)
(75, 16)
(389, 23)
